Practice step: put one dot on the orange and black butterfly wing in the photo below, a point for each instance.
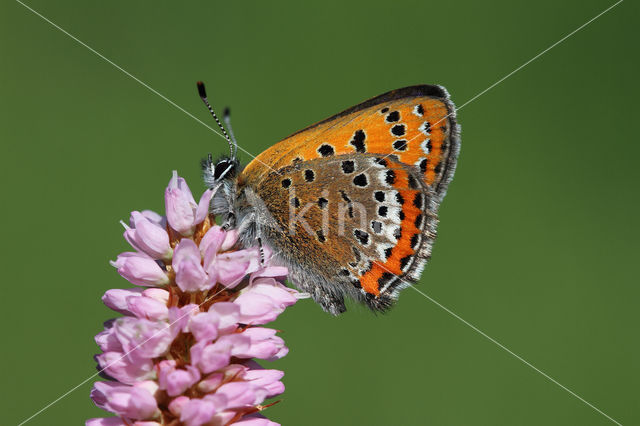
(417, 124)
(391, 158)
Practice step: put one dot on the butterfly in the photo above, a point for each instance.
(349, 205)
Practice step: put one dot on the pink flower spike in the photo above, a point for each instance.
(129, 401)
(183, 353)
(148, 237)
(140, 269)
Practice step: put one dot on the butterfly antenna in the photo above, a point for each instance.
(226, 116)
(203, 95)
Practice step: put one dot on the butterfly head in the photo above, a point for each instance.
(216, 172)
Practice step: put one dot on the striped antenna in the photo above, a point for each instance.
(226, 116)
(203, 95)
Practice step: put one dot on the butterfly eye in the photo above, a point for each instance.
(223, 168)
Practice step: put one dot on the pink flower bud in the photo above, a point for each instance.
(140, 269)
(213, 240)
(123, 369)
(116, 298)
(134, 402)
(190, 276)
(176, 405)
(263, 300)
(182, 211)
(141, 338)
(210, 383)
(108, 341)
(176, 381)
(197, 412)
(146, 307)
(255, 419)
(158, 294)
(209, 357)
(267, 379)
(228, 314)
(105, 421)
(264, 344)
(148, 237)
(204, 325)
(239, 394)
(179, 317)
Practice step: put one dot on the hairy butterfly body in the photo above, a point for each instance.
(348, 204)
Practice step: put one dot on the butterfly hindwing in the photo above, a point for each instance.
(417, 124)
(355, 224)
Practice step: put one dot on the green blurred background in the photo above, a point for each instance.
(538, 240)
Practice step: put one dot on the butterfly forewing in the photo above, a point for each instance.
(416, 123)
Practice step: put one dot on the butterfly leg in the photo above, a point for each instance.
(229, 221)
(261, 250)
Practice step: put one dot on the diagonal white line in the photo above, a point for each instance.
(539, 54)
(518, 357)
(501, 346)
(515, 71)
(151, 89)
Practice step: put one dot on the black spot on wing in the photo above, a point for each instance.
(361, 236)
(358, 141)
(309, 175)
(393, 117)
(398, 130)
(360, 180)
(348, 166)
(400, 145)
(326, 150)
(390, 177)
